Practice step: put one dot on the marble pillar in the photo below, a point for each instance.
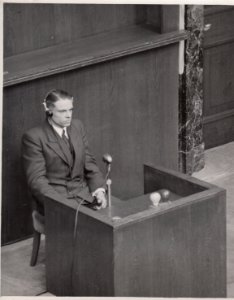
(191, 144)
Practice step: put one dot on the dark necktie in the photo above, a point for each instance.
(65, 139)
(69, 145)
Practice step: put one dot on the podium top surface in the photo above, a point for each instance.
(184, 191)
(124, 208)
(124, 212)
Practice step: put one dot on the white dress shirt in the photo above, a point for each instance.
(59, 130)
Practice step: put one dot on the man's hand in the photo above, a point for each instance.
(101, 199)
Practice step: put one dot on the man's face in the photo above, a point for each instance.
(62, 112)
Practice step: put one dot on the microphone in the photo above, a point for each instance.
(107, 158)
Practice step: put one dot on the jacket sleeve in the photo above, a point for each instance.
(92, 173)
(35, 168)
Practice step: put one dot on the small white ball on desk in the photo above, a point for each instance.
(165, 194)
(155, 198)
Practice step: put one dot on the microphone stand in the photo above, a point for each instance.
(108, 182)
(108, 160)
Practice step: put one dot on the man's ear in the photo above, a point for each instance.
(49, 113)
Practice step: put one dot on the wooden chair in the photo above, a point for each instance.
(39, 228)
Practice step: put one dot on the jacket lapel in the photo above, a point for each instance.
(53, 142)
(75, 139)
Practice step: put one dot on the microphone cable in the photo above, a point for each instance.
(74, 240)
(76, 216)
(74, 237)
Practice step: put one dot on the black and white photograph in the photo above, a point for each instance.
(117, 149)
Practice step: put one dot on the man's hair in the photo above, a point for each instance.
(56, 95)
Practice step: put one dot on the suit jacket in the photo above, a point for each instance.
(49, 170)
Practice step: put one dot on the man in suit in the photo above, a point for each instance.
(56, 156)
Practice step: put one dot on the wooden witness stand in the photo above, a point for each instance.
(120, 63)
(133, 249)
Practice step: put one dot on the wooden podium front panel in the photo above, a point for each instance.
(178, 253)
(59, 247)
(80, 264)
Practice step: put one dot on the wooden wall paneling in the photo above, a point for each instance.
(91, 19)
(20, 112)
(153, 16)
(29, 27)
(169, 18)
(219, 131)
(213, 9)
(81, 53)
(219, 76)
(219, 79)
(221, 19)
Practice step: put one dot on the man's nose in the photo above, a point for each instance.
(68, 114)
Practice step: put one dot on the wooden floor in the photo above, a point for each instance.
(19, 279)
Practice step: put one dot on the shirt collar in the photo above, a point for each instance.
(58, 129)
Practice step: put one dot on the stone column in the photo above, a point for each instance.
(191, 144)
